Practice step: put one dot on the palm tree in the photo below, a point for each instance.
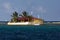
(30, 18)
(14, 17)
(24, 14)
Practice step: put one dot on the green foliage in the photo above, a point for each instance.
(24, 14)
(30, 18)
(14, 16)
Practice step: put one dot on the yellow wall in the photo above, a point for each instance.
(38, 21)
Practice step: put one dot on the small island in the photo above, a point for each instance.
(24, 19)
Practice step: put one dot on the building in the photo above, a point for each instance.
(37, 21)
(33, 20)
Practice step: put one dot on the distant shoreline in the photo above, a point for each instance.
(45, 22)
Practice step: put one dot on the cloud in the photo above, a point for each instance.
(7, 5)
(38, 9)
(41, 9)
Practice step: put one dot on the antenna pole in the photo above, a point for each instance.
(38, 16)
(31, 13)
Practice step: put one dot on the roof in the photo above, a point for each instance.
(26, 18)
(22, 18)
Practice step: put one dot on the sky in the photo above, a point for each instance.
(49, 10)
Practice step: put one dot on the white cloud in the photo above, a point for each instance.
(41, 9)
(7, 5)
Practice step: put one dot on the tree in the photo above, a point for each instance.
(14, 17)
(24, 14)
(30, 18)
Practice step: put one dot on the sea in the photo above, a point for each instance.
(30, 32)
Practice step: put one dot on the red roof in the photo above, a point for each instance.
(25, 18)
(35, 18)
(22, 18)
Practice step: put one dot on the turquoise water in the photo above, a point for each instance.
(41, 32)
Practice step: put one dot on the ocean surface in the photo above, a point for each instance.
(41, 32)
